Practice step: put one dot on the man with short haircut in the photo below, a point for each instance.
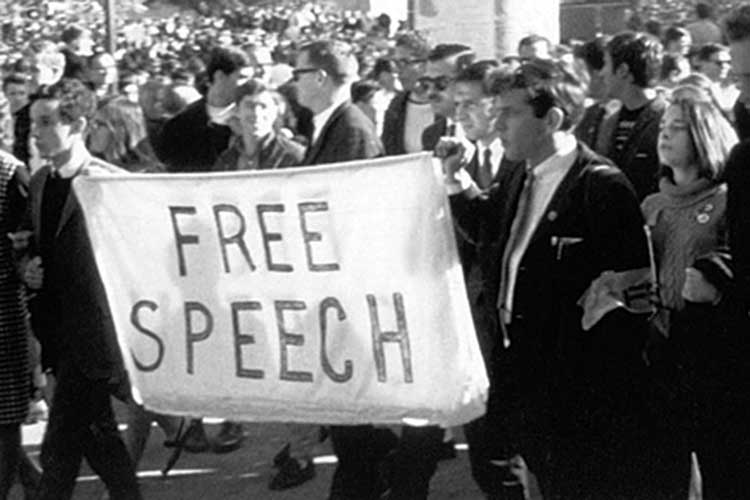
(628, 135)
(443, 64)
(562, 400)
(409, 112)
(192, 140)
(48, 65)
(16, 90)
(70, 314)
(724, 453)
(714, 61)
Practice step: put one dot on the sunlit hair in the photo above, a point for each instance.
(128, 146)
(712, 135)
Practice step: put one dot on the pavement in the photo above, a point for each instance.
(243, 474)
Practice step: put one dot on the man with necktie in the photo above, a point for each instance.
(562, 401)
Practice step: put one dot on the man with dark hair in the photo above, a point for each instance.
(724, 439)
(561, 400)
(704, 30)
(409, 112)
(714, 61)
(628, 136)
(192, 140)
(75, 329)
(77, 48)
(443, 64)
(16, 90)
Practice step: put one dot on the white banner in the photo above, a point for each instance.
(325, 294)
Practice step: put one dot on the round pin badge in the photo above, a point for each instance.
(703, 218)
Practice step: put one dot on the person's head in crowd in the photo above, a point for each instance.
(78, 40)
(410, 55)
(117, 134)
(677, 41)
(151, 98)
(535, 106)
(47, 64)
(128, 85)
(363, 93)
(511, 61)
(60, 116)
(591, 54)
(695, 138)
(444, 62)
(533, 45)
(737, 31)
(654, 28)
(259, 110)
(672, 71)
(704, 10)
(385, 72)
(474, 101)
(16, 90)
(631, 61)
(227, 68)
(714, 61)
(323, 74)
(102, 73)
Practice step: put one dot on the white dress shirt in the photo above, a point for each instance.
(496, 154)
(547, 177)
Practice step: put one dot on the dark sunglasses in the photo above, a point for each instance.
(296, 72)
(439, 83)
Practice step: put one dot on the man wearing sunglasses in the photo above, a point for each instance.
(563, 402)
(443, 64)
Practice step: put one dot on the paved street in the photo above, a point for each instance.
(243, 474)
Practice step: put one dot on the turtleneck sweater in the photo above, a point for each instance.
(686, 222)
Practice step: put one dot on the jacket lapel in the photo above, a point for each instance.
(559, 203)
(314, 148)
(36, 205)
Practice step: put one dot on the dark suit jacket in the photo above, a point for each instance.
(393, 125)
(347, 135)
(736, 302)
(188, 142)
(639, 159)
(432, 134)
(71, 315)
(553, 371)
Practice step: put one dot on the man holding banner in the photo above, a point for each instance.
(70, 314)
(562, 401)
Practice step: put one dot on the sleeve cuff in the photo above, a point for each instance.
(462, 184)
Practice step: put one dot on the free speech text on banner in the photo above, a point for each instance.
(328, 294)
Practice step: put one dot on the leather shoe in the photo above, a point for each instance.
(282, 456)
(292, 474)
(229, 438)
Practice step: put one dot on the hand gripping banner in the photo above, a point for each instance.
(328, 294)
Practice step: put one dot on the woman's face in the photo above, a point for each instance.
(675, 147)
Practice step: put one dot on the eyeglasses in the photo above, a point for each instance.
(428, 83)
(296, 72)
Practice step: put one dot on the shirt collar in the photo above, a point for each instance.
(496, 147)
(72, 168)
(560, 160)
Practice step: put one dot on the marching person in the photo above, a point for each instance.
(562, 401)
(71, 317)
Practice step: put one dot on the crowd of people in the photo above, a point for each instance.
(565, 164)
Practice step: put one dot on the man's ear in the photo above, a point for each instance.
(554, 118)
